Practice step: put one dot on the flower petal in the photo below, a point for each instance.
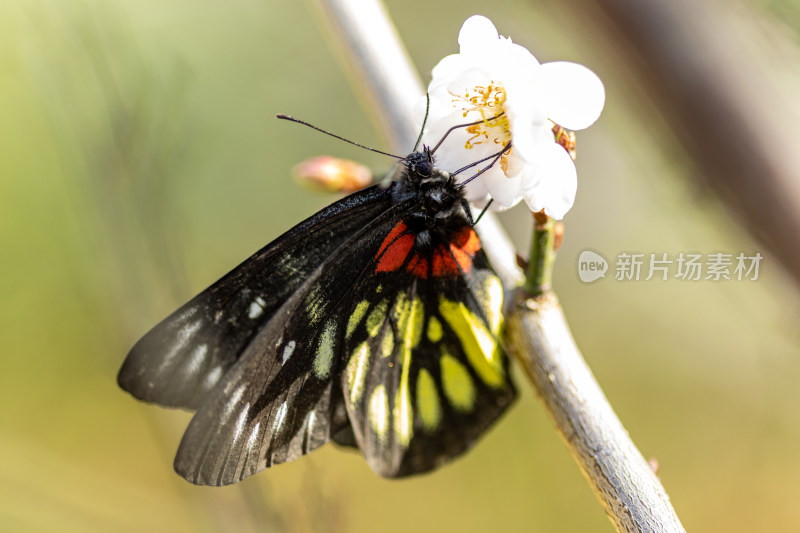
(505, 191)
(523, 137)
(475, 191)
(517, 59)
(574, 95)
(492, 70)
(467, 80)
(476, 33)
(553, 183)
(449, 66)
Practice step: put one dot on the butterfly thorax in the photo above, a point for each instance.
(438, 202)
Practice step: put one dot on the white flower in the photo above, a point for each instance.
(489, 76)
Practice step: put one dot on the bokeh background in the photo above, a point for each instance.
(140, 160)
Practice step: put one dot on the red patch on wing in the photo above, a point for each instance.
(458, 258)
(418, 266)
(443, 264)
(446, 260)
(464, 246)
(394, 249)
(398, 228)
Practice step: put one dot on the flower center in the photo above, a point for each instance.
(488, 101)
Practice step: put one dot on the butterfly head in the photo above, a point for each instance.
(419, 165)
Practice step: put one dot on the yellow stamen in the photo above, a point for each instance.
(488, 101)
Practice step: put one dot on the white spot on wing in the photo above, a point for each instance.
(379, 412)
(213, 377)
(256, 308)
(253, 436)
(240, 422)
(181, 339)
(356, 371)
(287, 351)
(188, 330)
(233, 400)
(403, 417)
(197, 359)
(494, 302)
(186, 314)
(280, 417)
(312, 419)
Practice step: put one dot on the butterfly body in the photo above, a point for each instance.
(373, 323)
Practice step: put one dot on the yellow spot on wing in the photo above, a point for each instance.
(376, 318)
(356, 317)
(416, 323)
(324, 357)
(379, 412)
(430, 410)
(403, 416)
(400, 310)
(479, 344)
(490, 296)
(315, 304)
(356, 371)
(434, 330)
(387, 343)
(457, 383)
(411, 321)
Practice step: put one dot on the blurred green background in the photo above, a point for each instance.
(140, 160)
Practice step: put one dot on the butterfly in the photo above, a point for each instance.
(374, 324)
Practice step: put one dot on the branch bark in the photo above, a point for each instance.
(537, 330)
(372, 55)
(631, 493)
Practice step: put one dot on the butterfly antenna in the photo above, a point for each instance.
(448, 132)
(494, 159)
(424, 121)
(478, 162)
(304, 123)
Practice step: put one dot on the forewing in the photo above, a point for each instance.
(424, 374)
(282, 398)
(182, 358)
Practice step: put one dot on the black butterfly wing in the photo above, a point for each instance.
(424, 375)
(318, 330)
(282, 398)
(182, 358)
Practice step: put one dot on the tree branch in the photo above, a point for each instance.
(537, 330)
(377, 65)
(631, 493)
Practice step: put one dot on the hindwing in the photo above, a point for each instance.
(424, 375)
